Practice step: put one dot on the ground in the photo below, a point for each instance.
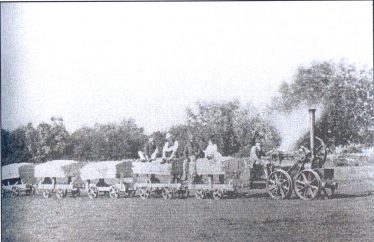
(251, 217)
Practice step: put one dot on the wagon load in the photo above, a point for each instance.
(25, 171)
(152, 168)
(17, 178)
(108, 177)
(57, 169)
(220, 166)
(106, 169)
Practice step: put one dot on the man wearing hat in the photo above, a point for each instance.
(150, 151)
(169, 151)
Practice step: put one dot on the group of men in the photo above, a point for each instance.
(192, 151)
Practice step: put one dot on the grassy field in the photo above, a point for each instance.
(251, 217)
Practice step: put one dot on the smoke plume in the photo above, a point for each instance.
(292, 126)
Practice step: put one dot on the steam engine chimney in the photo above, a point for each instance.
(312, 115)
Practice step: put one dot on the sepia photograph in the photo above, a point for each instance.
(187, 121)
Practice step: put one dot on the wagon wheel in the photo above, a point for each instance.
(307, 184)
(144, 193)
(279, 184)
(93, 192)
(320, 150)
(113, 192)
(167, 193)
(131, 193)
(217, 194)
(184, 193)
(200, 194)
(46, 193)
(60, 193)
(78, 192)
(31, 191)
(15, 192)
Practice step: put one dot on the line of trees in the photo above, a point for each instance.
(347, 95)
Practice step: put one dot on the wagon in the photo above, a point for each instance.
(111, 178)
(159, 179)
(58, 177)
(17, 178)
(210, 180)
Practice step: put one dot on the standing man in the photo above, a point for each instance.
(169, 151)
(150, 151)
(255, 156)
(192, 151)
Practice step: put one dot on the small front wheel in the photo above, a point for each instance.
(200, 194)
(217, 194)
(60, 193)
(93, 192)
(46, 193)
(144, 193)
(167, 193)
(113, 192)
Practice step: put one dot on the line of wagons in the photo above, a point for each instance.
(215, 179)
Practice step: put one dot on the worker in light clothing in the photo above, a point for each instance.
(211, 151)
(169, 151)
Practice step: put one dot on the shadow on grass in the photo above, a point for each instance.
(342, 195)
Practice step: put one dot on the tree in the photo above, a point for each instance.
(232, 127)
(347, 97)
(108, 141)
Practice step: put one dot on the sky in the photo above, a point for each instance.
(102, 62)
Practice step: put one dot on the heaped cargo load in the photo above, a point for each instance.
(25, 171)
(106, 169)
(56, 168)
(152, 168)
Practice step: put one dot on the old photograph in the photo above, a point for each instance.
(187, 121)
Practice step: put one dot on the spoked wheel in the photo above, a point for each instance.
(307, 184)
(279, 184)
(320, 150)
(167, 193)
(217, 194)
(46, 193)
(113, 192)
(144, 193)
(30, 191)
(60, 193)
(184, 193)
(15, 192)
(93, 192)
(200, 194)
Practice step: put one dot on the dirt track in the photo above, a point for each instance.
(253, 217)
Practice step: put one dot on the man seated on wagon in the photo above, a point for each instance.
(211, 151)
(150, 151)
(169, 151)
